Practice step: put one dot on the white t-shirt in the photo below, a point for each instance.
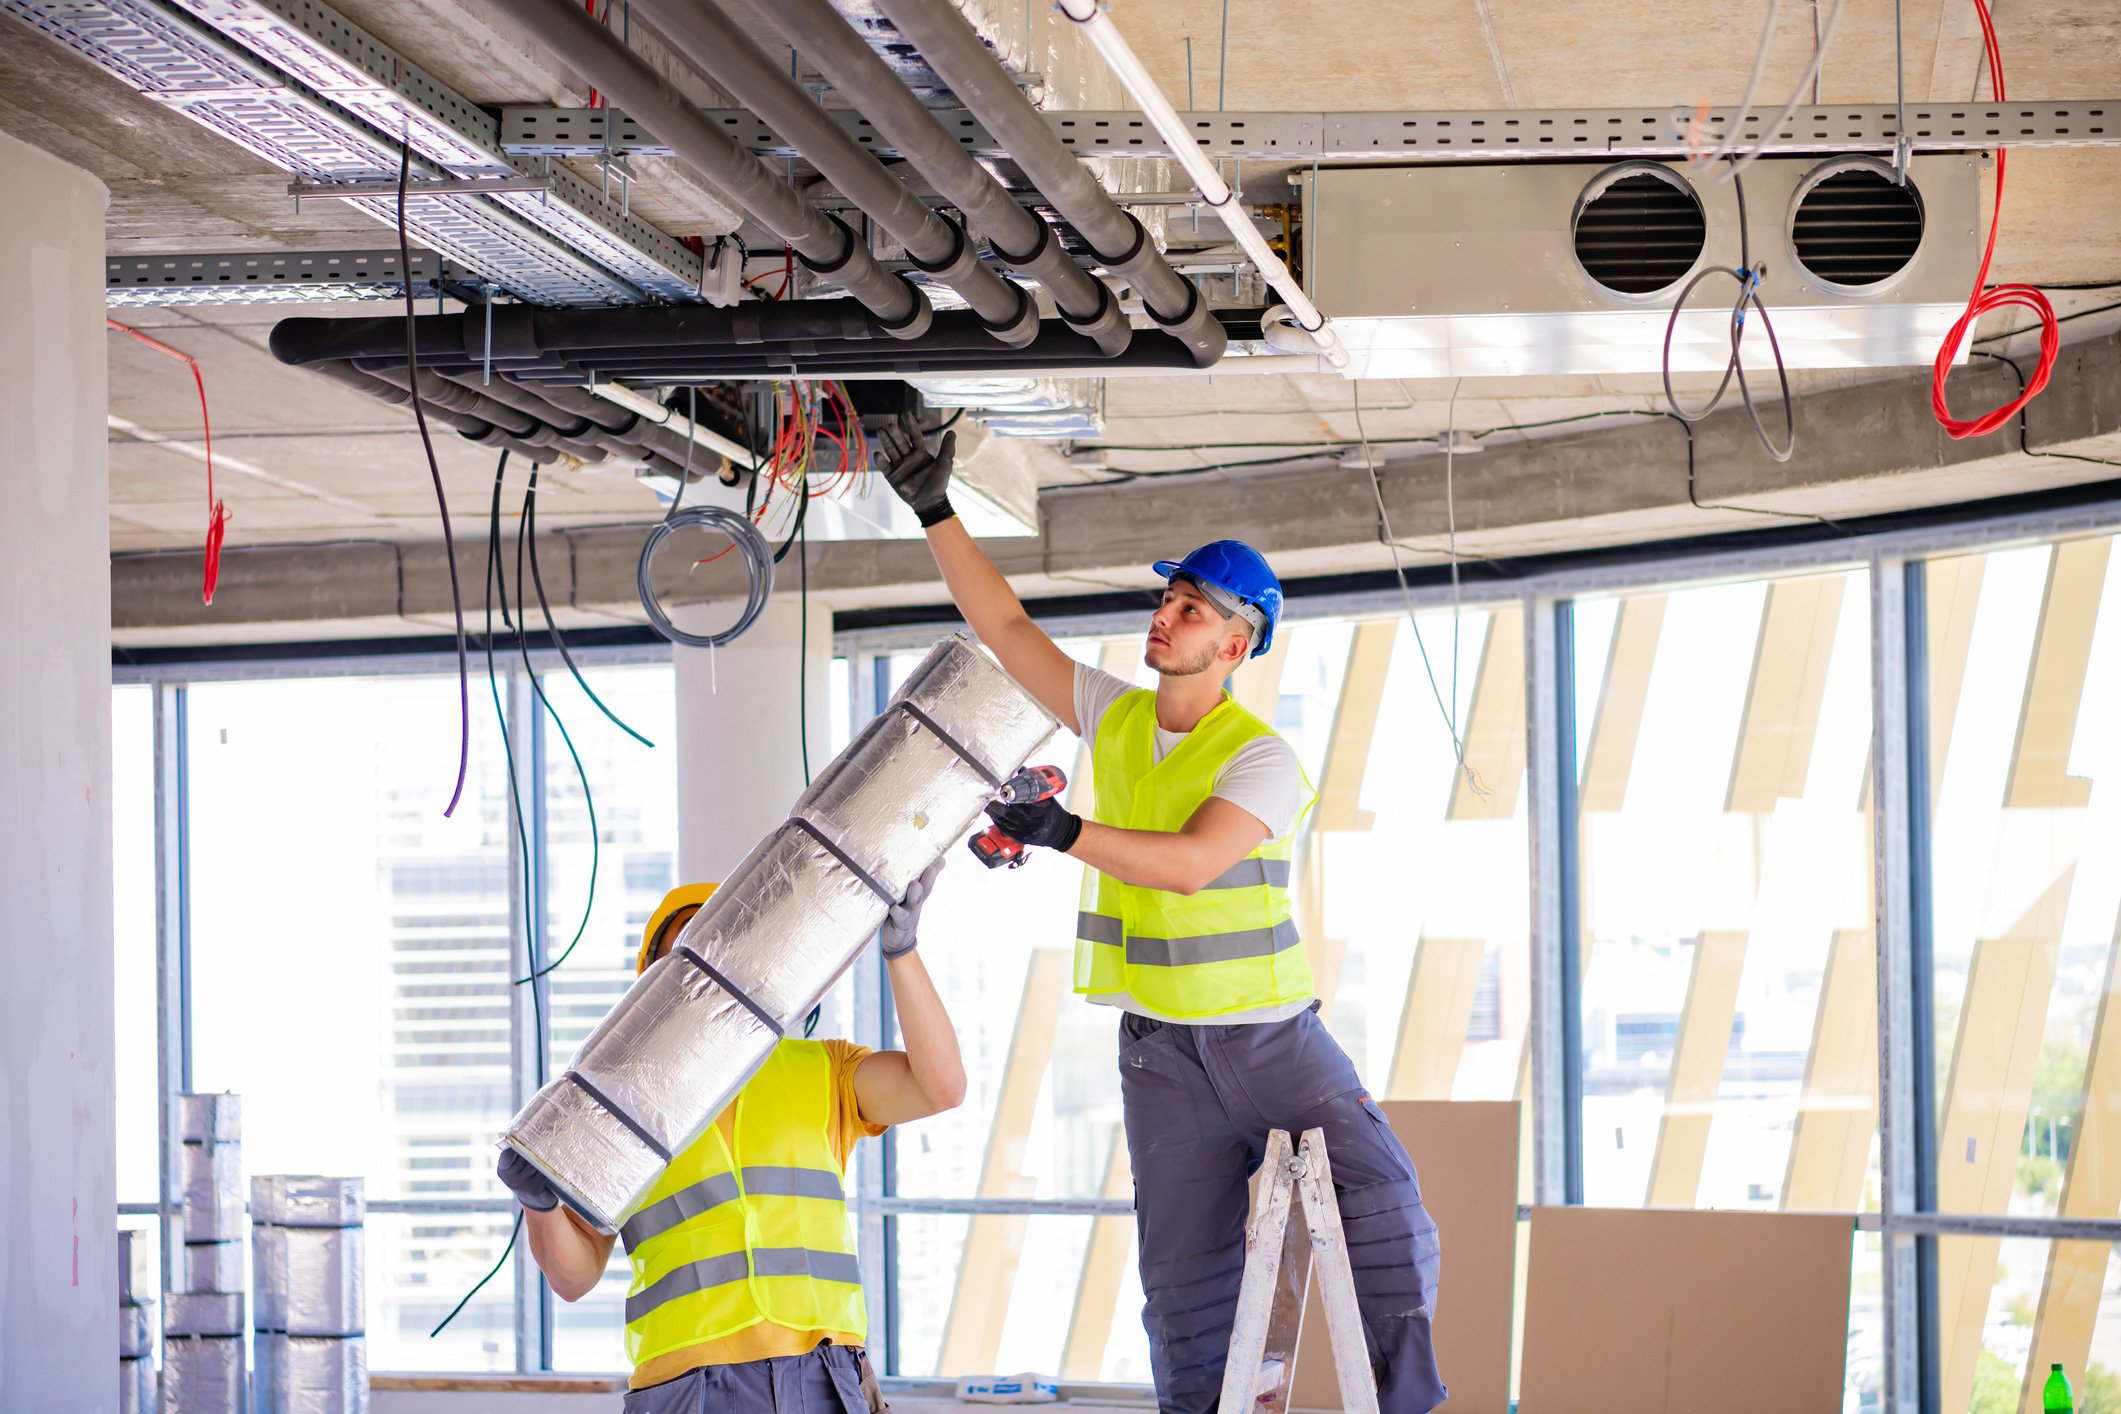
(1262, 778)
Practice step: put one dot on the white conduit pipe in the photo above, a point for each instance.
(652, 411)
(1098, 26)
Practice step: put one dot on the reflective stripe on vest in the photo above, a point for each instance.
(719, 1188)
(734, 1267)
(1229, 947)
(734, 1234)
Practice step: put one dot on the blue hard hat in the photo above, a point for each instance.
(1239, 571)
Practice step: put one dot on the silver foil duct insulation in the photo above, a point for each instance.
(310, 1375)
(209, 1117)
(203, 1313)
(307, 1200)
(136, 1337)
(136, 1272)
(212, 1170)
(307, 1280)
(212, 1266)
(136, 1386)
(784, 925)
(136, 1321)
(308, 1295)
(204, 1375)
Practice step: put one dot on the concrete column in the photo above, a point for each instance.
(58, 1094)
(740, 747)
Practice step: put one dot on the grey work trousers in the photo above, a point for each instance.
(827, 1380)
(1199, 1102)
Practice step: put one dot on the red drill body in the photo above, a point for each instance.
(1030, 784)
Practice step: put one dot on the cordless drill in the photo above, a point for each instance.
(1033, 783)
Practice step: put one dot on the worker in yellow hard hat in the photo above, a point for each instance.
(746, 1294)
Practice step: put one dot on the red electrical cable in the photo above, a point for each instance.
(596, 99)
(216, 511)
(1984, 300)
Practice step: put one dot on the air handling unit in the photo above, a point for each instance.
(1559, 268)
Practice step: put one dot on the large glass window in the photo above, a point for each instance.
(133, 915)
(2024, 687)
(350, 973)
(632, 791)
(1728, 1006)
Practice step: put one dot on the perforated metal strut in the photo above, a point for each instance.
(1470, 135)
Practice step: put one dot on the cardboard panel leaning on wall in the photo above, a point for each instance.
(1465, 1155)
(1659, 1308)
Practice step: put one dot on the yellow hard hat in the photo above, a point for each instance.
(675, 902)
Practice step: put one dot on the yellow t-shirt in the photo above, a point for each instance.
(765, 1340)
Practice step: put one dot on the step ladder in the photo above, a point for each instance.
(1282, 1245)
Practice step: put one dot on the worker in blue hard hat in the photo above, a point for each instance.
(1185, 929)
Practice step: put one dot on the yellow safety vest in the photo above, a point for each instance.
(1231, 947)
(730, 1237)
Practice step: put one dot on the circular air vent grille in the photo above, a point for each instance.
(1854, 226)
(1638, 230)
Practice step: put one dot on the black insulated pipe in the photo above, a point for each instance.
(470, 428)
(601, 422)
(437, 391)
(1018, 238)
(824, 244)
(962, 60)
(936, 247)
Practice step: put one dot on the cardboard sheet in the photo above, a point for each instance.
(1465, 1154)
(1662, 1310)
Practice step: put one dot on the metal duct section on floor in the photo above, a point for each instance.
(570, 348)
(786, 923)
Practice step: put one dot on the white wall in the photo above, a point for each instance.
(58, 1134)
(740, 763)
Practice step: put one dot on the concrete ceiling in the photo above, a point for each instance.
(302, 461)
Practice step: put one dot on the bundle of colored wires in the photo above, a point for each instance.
(1985, 299)
(806, 413)
(216, 510)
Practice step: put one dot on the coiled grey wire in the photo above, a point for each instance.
(758, 562)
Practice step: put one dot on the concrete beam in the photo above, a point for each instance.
(1865, 449)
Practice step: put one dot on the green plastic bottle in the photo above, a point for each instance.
(2056, 1398)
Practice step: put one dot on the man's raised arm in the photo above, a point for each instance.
(1027, 652)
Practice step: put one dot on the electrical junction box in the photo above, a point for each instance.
(994, 490)
(1568, 267)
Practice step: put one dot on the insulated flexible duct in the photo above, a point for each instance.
(955, 52)
(786, 922)
(938, 247)
(825, 245)
(1021, 240)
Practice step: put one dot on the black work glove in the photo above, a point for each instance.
(1043, 823)
(920, 476)
(898, 936)
(523, 1179)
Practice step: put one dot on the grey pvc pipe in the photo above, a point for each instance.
(1021, 240)
(826, 246)
(940, 249)
(962, 60)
